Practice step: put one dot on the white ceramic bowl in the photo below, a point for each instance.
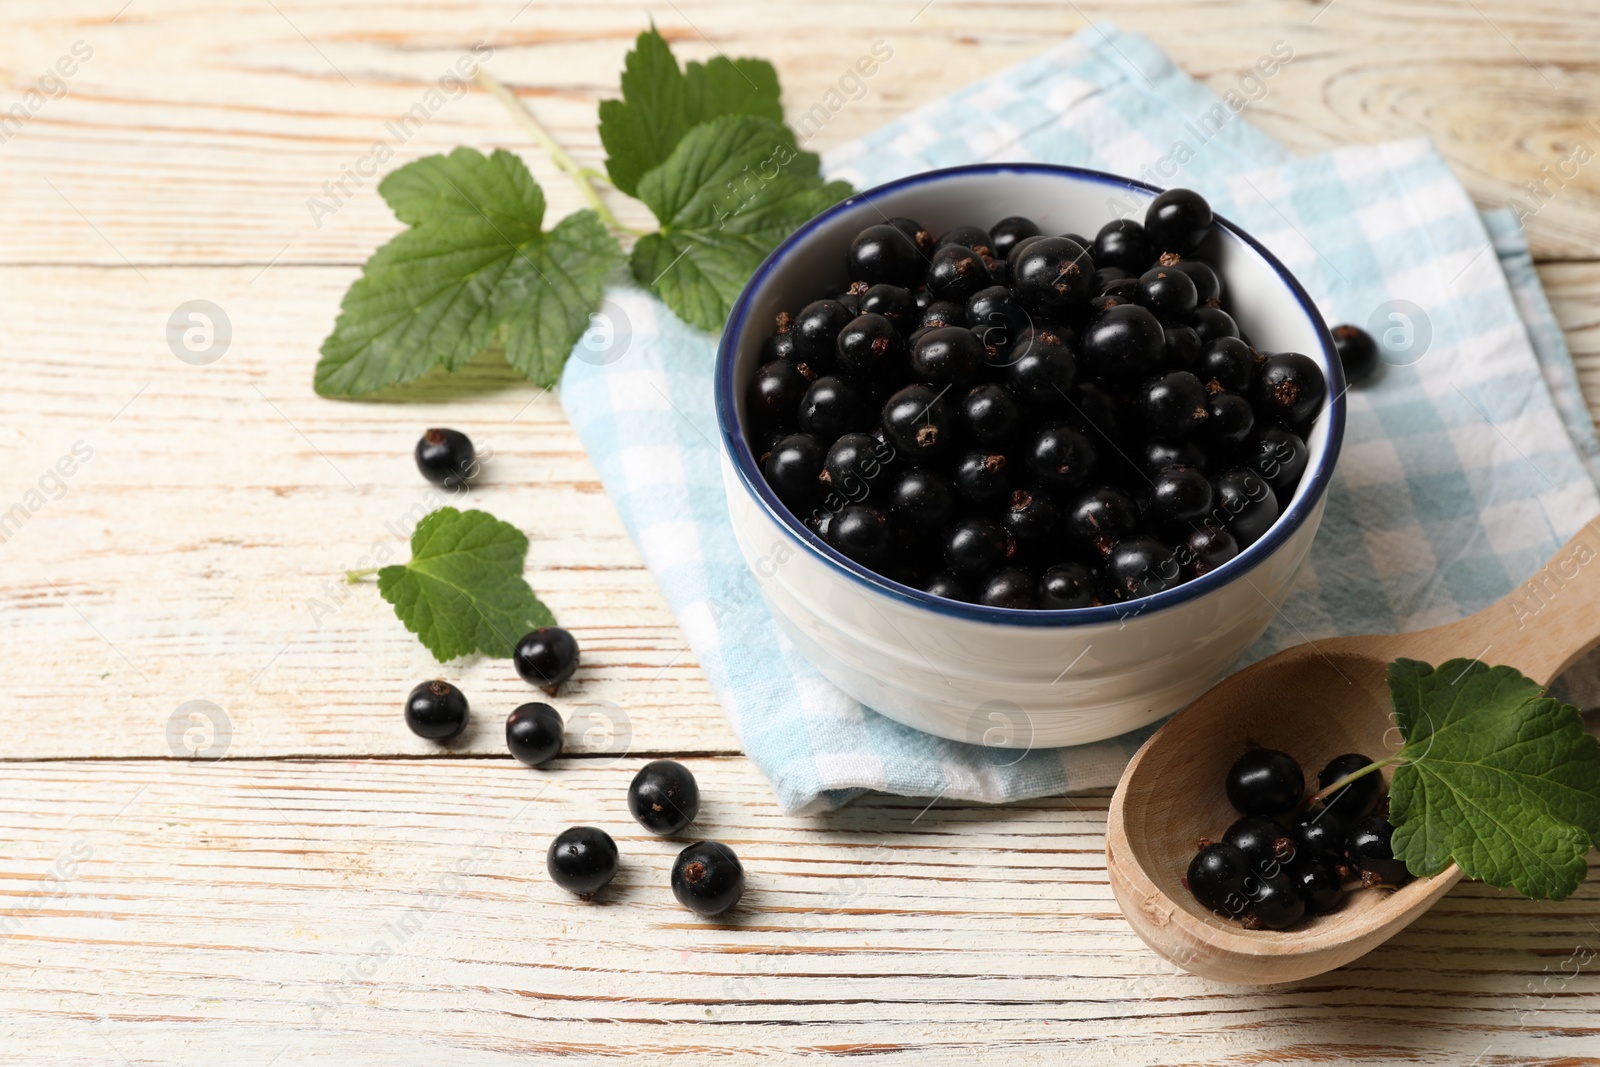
(1003, 676)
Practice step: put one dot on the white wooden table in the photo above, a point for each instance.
(335, 890)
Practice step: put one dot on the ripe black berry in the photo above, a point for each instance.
(1290, 387)
(1206, 548)
(947, 354)
(884, 253)
(1125, 344)
(582, 860)
(436, 710)
(815, 331)
(1211, 323)
(1101, 517)
(1207, 285)
(830, 407)
(921, 499)
(774, 394)
(1263, 841)
(792, 469)
(1217, 877)
(972, 237)
(1141, 566)
(546, 657)
(990, 414)
(1182, 349)
(1041, 373)
(892, 302)
(1004, 235)
(1122, 243)
(1227, 365)
(1169, 294)
(1360, 796)
(1265, 781)
(1010, 587)
(1157, 453)
(707, 878)
(533, 734)
(868, 346)
(1275, 902)
(1280, 457)
(1370, 848)
(1174, 405)
(981, 478)
(1320, 833)
(917, 422)
(957, 272)
(780, 345)
(976, 547)
(1051, 275)
(861, 532)
(948, 586)
(664, 797)
(854, 463)
(920, 237)
(1066, 585)
(1316, 881)
(1061, 457)
(1032, 517)
(1246, 505)
(996, 320)
(1358, 353)
(1177, 221)
(942, 313)
(446, 457)
(1181, 494)
(1230, 422)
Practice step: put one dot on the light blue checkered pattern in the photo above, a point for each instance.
(1460, 474)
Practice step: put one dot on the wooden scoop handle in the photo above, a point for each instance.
(1541, 627)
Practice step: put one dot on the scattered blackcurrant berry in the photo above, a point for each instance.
(707, 878)
(533, 734)
(1358, 353)
(664, 797)
(1265, 781)
(582, 860)
(436, 710)
(446, 457)
(546, 657)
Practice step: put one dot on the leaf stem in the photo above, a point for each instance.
(583, 177)
(1352, 776)
(361, 575)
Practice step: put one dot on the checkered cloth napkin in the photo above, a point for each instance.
(1461, 472)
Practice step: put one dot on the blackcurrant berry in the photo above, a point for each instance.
(792, 469)
(1181, 495)
(996, 320)
(1275, 902)
(1246, 504)
(1211, 323)
(942, 313)
(436, 710)
(1177, 221)
(884, 253)
(816, 331)
(1169, 294)
(1280, 457)
(919, 234)
(582, 860)
(1156, 454)
(1182, 349)
(1370, 849)
(707, 878)
(1264, 842)
(861, 532)
(1227, 365)
(1004, 235)
(1066, 585)
(1123, 243)
(918, 423)
(780, 345)
(1061, 457)
(1051, 275)
(1123, 344)
(546, 657)
(869, 346)
(1101, 517)
(1140, 566)
(1217, 877)
(893, 303)
(664, 797)
(948, 586)
(1032, 518)
(1010, 587)
(1173, 406)
(976, 547)
(1265, 781)
(956, 272)
(1230, 422)
(1041, 373)
(947, 354)
(1320, 833)
(1207, 285)
(1105, 284)
(774, 395)
(972, 237)
(830, 407)
(981, 478)
(1360, 796)
(533, 734)
(1358, 353)
(1206, 548)
(1316, 881)
(921, 499)
(850, 301)
(854, 463)
(1290, 387)
(990, 414)
(446, 457)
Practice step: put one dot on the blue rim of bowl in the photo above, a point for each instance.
(744, 462)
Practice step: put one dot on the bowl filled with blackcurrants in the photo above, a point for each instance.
(1028, 441)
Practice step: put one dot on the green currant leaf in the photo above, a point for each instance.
(731, 190)
(661, 103)
(474, 268)
(1495, 776)
(463, 590)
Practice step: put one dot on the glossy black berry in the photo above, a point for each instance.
(973, 237)
(989, 414)
(1360, 796)
(1213, 323)
(1101, 517)
(775, 392)
(1264, 842)
(1173, 406)
(1010, 587)
(1276, 903)
(582, 860)
(1370, 849)
(861, 532)
(920, 237)
(1032, 517)
(884, 253)
(446, 457)
(1156, 453)
(1290, 387)
(918, 423)
(1066, 585)
(816, 331)
(942, 313)
(1265, 781)
(1230, 422)
(1181, 495)
(869, 346)
(850, 301)
(707, 878)
(996, 320)
(921, 499)
(1207, 285)
(1061, 457)
(1169, 294)
(436, 710)
(664, 797)
(546, 657)
(1182, 349)
(1041, 373)
(956, 272)
(1051, 275)
(830, 407)
(1358, 353)
(948, 586)
(1205, 548)
(793, 468)
(1004, 235)
(1320, 833)
(1280, 457)
(1245, 504)
(1124, 344)
(1217, 877)
(1141, 566)
(1316, 881)
(1123, 243)
(981, 478)
(780, 345)
(1227, 365)
(533, 734)
(947, 355)
(854, 463)
(1177, 221)
(892, 302)
(976, 547)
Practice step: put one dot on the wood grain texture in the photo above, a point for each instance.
(397, 912)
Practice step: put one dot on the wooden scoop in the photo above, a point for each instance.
(1315, 701)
